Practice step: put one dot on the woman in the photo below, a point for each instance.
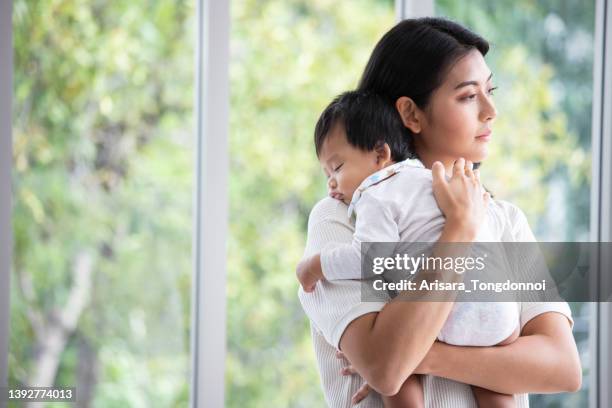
(433, 72)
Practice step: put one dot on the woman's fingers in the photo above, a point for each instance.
(469, 170)
(459, 167)
(437, 172)
(361, 393)
(487, 198)
(348, 370)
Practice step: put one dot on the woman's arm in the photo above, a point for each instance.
(386, 347)
(543, 360)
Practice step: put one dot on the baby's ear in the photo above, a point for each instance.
(383, 154)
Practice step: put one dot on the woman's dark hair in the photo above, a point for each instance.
(413, 57)
(368, 121)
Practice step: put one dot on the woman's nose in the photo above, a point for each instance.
(488, 111)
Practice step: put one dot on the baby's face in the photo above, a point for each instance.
(344, 165)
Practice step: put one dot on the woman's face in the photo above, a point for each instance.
(457, 121)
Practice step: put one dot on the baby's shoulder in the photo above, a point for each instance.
(404, 191)
(412, 178)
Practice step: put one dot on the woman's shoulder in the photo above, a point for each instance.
(328, 209)
(511, 211)
(517, 224)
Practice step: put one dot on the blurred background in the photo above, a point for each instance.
(103, 179)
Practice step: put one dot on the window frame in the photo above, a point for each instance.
(208, 331)
(601, 203)
(413, 8)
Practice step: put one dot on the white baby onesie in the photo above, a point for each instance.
(396, 204)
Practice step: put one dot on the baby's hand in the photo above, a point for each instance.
(309, 272)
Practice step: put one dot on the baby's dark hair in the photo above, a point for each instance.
(369, 121)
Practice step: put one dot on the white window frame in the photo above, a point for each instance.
(413, 8)
(601, 203)
(208, 340)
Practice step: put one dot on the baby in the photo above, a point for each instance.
(364, 150)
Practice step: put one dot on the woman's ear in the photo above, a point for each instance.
(409, 112)
(383, 155)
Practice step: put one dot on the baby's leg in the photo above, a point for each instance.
(491, 399)
(409, 396)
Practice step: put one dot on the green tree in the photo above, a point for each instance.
(289, 59)
(102, 227)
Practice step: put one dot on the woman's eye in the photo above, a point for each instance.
(469, 97)
(338, 168)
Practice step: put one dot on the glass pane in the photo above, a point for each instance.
(542, 60)
(319, 50)
(103, 170)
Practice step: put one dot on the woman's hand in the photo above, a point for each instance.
(462, 198)
(348, 369)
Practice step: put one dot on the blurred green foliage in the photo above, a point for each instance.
(542, 59)
(103, 171)
(288, 59)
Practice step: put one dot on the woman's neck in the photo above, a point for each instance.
(429, 160)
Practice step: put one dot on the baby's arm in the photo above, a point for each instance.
(309, 272)
(375, 223)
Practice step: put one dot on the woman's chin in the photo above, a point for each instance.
(479, 155)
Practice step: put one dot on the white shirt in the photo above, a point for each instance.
(333, 305)
(396, 204)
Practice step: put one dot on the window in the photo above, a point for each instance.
(542, 59)
(319, 50)
(104, 175)
(103, 170)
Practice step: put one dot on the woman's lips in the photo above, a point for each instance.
(485, 137)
